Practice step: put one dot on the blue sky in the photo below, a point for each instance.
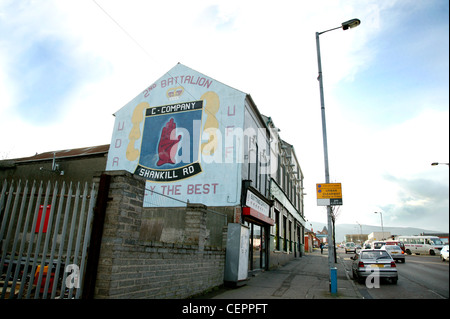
(66, 67)
(413, 55)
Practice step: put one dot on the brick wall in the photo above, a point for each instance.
(137, 263)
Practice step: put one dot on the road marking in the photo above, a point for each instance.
(437, 294)
(424, 262)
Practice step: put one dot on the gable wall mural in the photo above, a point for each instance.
(183, 134)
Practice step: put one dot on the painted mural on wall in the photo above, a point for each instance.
(180, 135)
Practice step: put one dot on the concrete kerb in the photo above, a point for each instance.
(347, 274)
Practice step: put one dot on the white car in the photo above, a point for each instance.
(395, 251)
(444, 253)
(374, 261)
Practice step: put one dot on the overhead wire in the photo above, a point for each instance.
(132, 38)
(145, 51)
(125, 31)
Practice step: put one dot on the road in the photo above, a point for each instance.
(420, 277)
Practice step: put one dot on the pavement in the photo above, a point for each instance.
(306, 277)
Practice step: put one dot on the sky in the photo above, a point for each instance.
(67, 66)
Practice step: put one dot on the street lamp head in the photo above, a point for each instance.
(351, 24)
(434, 164)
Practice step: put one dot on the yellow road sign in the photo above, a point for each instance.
(329, 194)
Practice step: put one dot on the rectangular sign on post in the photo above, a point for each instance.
(329, 194)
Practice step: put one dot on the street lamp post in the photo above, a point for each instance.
(360, 228)
(382, 229)
(360, 234)
(345, 25)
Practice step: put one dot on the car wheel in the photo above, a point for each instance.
(408, 252)
(443, 259)
(432, 253)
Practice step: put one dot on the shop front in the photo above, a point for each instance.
(256, 217)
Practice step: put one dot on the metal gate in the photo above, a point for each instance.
(45, 232)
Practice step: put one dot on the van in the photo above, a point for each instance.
(421, 244)
(350, 246)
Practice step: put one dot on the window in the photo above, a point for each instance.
(375, 255)
(436, 241)
(277, 230)
(254, 170)
(258, 170)
(290, 235)
(284, 233)
(256, 167)
(279, 170)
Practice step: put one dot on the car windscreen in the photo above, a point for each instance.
(381, 254)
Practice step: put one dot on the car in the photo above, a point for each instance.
(374, 262)
(396, 252)
(444, 253)
(398, 243)
(350, 247)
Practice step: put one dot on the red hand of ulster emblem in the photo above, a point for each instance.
(167, 148)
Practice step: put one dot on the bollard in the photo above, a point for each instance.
(333, 276)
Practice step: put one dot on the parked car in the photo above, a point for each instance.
(444, 253)
(396, 252)
(350, 247)
(375, 262)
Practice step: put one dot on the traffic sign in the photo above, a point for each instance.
(329, 194)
